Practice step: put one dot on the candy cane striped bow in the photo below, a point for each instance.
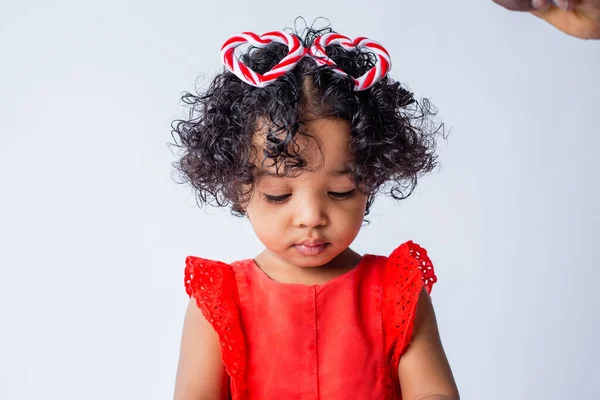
(296, 52)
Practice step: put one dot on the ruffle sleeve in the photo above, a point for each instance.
(213, 285)
(409, 269)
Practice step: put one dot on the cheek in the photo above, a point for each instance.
(265, 222)
(353, 214)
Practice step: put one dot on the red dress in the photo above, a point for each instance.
(339, 340)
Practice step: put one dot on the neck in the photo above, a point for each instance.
(281, 270)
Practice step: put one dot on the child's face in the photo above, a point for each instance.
(310, 218)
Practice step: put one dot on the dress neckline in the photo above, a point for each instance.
(264, 277)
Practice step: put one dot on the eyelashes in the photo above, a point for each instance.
(333, 195)
(342, 195)
(276, 199)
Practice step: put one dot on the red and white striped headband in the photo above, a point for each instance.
(296, 51)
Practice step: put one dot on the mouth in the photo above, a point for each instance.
(311, 247)
(311, 242)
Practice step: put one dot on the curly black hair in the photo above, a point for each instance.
(393, 135)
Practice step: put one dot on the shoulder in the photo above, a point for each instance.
(408, 275)
(410, 262)
(211, 285)
(204, 274)
(411, 259)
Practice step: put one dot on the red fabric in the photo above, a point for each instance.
(212, 284)
(408, 270)
(339, 340)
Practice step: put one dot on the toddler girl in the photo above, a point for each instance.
(298, 135)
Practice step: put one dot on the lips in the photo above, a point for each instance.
(311, 247)
(311, 242)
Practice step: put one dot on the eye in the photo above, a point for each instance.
(343, 195)
(276, 199)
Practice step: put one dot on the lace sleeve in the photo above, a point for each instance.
(213, 285)
(408, 270)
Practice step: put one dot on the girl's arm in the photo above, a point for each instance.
(424, 371)
(201, 374)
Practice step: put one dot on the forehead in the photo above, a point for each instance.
(324, 144)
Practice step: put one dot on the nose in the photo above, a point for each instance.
(310, 212)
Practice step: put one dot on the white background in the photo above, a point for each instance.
(94, 231)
